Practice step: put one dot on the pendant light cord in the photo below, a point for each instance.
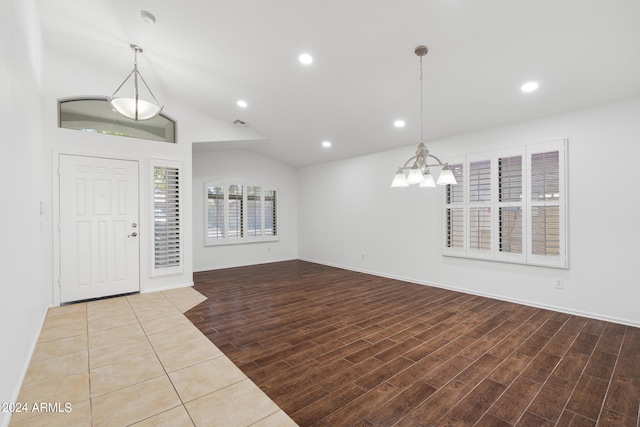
(421, 112)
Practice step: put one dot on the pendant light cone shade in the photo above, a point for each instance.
(427, 180)
(446, 176)
(134, 107)
(399, 180)
(415, 175)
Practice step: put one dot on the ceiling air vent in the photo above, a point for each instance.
(240, 123)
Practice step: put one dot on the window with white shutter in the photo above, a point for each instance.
(254, 211)
(215, 213)
(235, 204)
(516, 206)
(270, 228)
(454, 212)
(479, 213)
(547, 235)
(240, 211)
(167, 226)
(510, 206)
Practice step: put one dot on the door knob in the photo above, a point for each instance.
(134, 234)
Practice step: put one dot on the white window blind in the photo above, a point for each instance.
(480, 181)
(254, 211)
(510, 229)
(479, 206)
(215, 212)
(270, 228)
(545, 200)
(455, 228)
(513, 203)
(480, 228)
(454, 211)
(510, 204)
(166, 217)
(239, 210)
(236, 211)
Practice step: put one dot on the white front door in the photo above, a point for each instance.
(99, 242)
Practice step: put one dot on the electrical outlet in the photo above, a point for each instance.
(363, 256)
(559, 284)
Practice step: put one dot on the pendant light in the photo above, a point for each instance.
(419, 173)
(134, 107)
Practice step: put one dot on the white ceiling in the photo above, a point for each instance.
(210, 53)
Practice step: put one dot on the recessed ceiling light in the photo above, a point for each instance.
(305, 58)
(326, 144)
(147, 17)
(242, 103)
(529, 86)
(399, 123)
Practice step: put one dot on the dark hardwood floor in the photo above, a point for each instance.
(339, 348)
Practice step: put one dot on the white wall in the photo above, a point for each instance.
(346, 209)
(25, 284)
(208, 166)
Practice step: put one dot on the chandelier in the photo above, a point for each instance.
(419, 173)
(134, 107)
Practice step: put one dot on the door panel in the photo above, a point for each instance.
(99, 251)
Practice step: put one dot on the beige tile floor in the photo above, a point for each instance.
(137, 360)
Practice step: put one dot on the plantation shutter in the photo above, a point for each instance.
(215, 213)
(510, 204)
(480, 205)
(455, 228)
(270, 216)
(455, 193)
(236, 212)
(545, 196)
(454, 239)
(254, 211)
(480, 228)
(480, 181)
(166, 217)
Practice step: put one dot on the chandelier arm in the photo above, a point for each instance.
(149, 89)
(408, 161)
(437, 160)
(123, 82)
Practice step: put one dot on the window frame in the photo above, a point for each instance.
(99, 117)
(527, 206)
(245, 238)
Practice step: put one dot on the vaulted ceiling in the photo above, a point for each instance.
(365, 75)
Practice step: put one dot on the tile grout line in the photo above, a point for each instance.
(564, 408)
(533, 398)
(613, 371)
(486, 377)
(161, 364)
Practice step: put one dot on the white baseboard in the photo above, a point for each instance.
(167, 288)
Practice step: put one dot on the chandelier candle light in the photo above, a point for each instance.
(135, 108)
(419, 172)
